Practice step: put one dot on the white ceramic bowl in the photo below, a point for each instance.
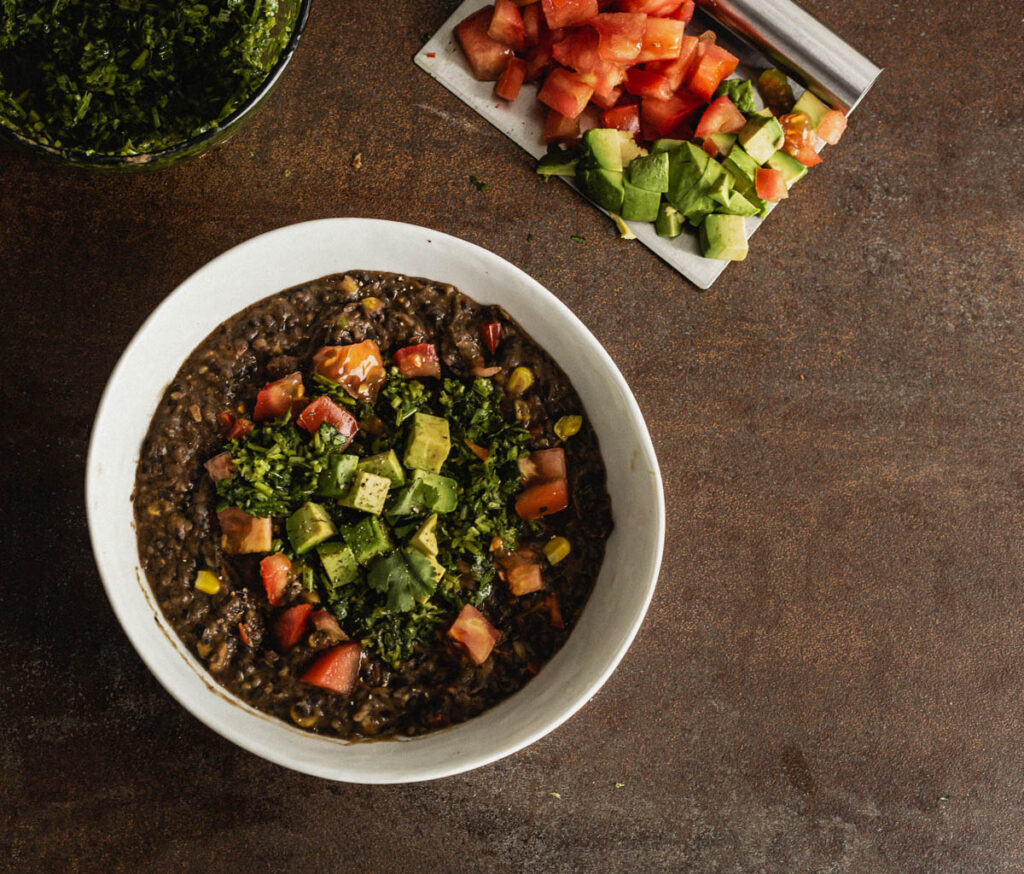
(296, 254)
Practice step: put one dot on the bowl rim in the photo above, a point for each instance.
(102, 160)
(142, 640)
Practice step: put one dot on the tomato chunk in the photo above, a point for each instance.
(579, 50)
(620, 35)
(418, 361)
(675, 70)
(474, 634)
(707, 74)
(491, 334)
(506, 25)
(559, 129)
(220, 466)
(543, 499)
(770, 184)
(566, 13)
(240, 428)
(336, 670)
(511, 80)
(625, 118)
(290, 626)
(541, 466)
(520, 568)
(663, 40)
(664, 116)
(832, 126)
(358, 368)
(486, 56)
(650, 7)
(277, 398)
(241, 533)
(555, 612)
(322, 410)
(275, 570)
(533, 21)
(684, 13)
(721, 117)
(799, 143)
(609, 100)
(566, 93)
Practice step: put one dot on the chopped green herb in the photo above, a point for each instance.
(529, 238)
(287, 173)
(555, 794)
(619, 785)
(576, 238)
(480, 186)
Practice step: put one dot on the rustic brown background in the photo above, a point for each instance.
(829, 679)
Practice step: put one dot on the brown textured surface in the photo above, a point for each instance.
(829, 678)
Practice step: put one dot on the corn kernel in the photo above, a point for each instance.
(519, 381)
(556, 549)
(206, 581)
(303, 720)
(568, 426)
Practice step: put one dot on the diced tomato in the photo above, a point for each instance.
(474, 634)
(675, 70)
(486, 56)
(226, 420)
(240, 428)
(478, 450)
(555, 612)
(241, 533)
(520, 568)
(275, 570)
(663, 40)
(648, 83)
(336, 670)
(832, 126)
(418, 361)
(559, 129)
(543, 499)
(358, 368)
(566, 93)
(491, 334)
(684, 13)
(649, 7)
(220, 466)
(533, 21)
(322, 410)
(541, 466)
(609, 100)
(506, 25)
(566, 13)
(770, 184)
(323, 620)
(579, 51)
(276, 398)
(291, 625)
(620, 35)
(721, 117)
(710, 147)
(707, 74)
(538, 61)
(665, 116)
(799, 140)
(625, 118)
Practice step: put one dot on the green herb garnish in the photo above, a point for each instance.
(480, 186)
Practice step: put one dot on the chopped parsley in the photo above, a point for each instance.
(480, 186)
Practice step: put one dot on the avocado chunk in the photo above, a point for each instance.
(429, 442)
(639, 204)
(426, 568)
(628, 148)
(669, 223)
(385, 464)
(723, 237)
(425, 538)
(733, 203)
(339, 563)
(694, 177)
(604, 145)
(812, 107)
(405, 587)
(428, 492)
(740, 92)
(723, 142)
(559, 162)
(604, 187)
(368, 492)
(792, 170)
(650, 172)
(336, 477)
(742, 167)
(308, 526)
(761, 136)
(367, 539)
(666, 145)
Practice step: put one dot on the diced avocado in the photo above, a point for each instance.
(723, 237)
(367, 538)
(761, 136)
(693, 176)
(604, 187)
(385, 464)
(628, 148)
(391, 573)
(445, 489)
(639, 204)
(427, 493)
(604, 145)
(368, 492)
(669, 223)
(740, 92)
(427, 569)
(336, 477)
(734, 203)
(792, 170)
(339, 563)
(650, 172)
(308, 526)
(723, 142)
(742, 167)
(666, 145)
(425, 538)
(429, 442)
(559, 162)
(812, 107)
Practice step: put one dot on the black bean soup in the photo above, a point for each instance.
(215, 595)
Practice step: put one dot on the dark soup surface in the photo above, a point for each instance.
(371, 506)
